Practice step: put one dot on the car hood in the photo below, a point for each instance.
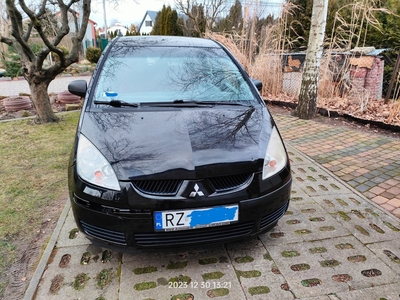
(186, 143)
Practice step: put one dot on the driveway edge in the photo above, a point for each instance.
(41, 267)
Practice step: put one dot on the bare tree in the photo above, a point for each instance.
(211, 9)
(25, 20)
(3, 27)
(307, 106)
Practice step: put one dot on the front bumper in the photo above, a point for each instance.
(134, 227)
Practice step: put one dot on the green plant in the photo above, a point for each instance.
(93, 54)
(55, 55)
(36, 47)
(12, 65)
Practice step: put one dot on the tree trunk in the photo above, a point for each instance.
(41, 101)
(308, 97)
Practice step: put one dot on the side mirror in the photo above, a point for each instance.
(78, 87)
(258, 84)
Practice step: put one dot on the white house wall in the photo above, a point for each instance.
(146, 29)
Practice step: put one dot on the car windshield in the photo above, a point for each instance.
(168, 74)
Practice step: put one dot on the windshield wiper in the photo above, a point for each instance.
(179, 103)
(116, 103)
(213, 102)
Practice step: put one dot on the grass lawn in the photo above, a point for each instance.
(33, 172)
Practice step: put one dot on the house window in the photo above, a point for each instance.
(149, 24)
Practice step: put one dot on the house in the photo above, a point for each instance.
(89, 40)
(117, 28)
(146, 26)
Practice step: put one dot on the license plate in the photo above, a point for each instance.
(195, 218)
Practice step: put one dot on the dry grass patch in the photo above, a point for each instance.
(34, 161)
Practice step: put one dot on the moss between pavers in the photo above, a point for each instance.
(329, 263)
(357, 258)
(146, 285)
(106, 256)
(85, 259)
(212, 275)
(392, 256)
(243, 259)
(311, 282)
(300, 267)
(362, 230)
(144, 270)
(180, 279)
(317, 250)
(73, 233)
(391, 226)
(267, 256)
(376, 228)
(344, 216)
(80, 281)
(176, 265)
(208, 260)
(258, 290)
(104, 277)
(292, 222)
(343, 246)
(342, 278)
(302, 231)
(329, 203)
(358, 214)
(290, 253)
(308, 210)
(371, 273)
(186, 296)
(247, 274)
(370, 211)
(326, 228)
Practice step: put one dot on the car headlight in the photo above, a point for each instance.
(93, 167)
(275, 156)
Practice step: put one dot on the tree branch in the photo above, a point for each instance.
(17, 29)
(6, 40)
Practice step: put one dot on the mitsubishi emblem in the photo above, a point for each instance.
(196, 191)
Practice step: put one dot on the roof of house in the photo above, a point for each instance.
(152, 14)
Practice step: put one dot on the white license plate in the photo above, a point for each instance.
(195, 218)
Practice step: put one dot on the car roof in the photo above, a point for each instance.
(164, 41)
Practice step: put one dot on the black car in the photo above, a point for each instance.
(175, 146)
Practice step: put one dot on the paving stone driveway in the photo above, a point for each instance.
(333, 243)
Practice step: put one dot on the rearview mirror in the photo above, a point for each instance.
(78, 87)
(258, 84)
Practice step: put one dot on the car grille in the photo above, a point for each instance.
(107, 235)
(187, 237)
(273, 217)
(220, 184)
(158, 187)
(227, 183)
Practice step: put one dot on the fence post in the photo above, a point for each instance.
(395, 71)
